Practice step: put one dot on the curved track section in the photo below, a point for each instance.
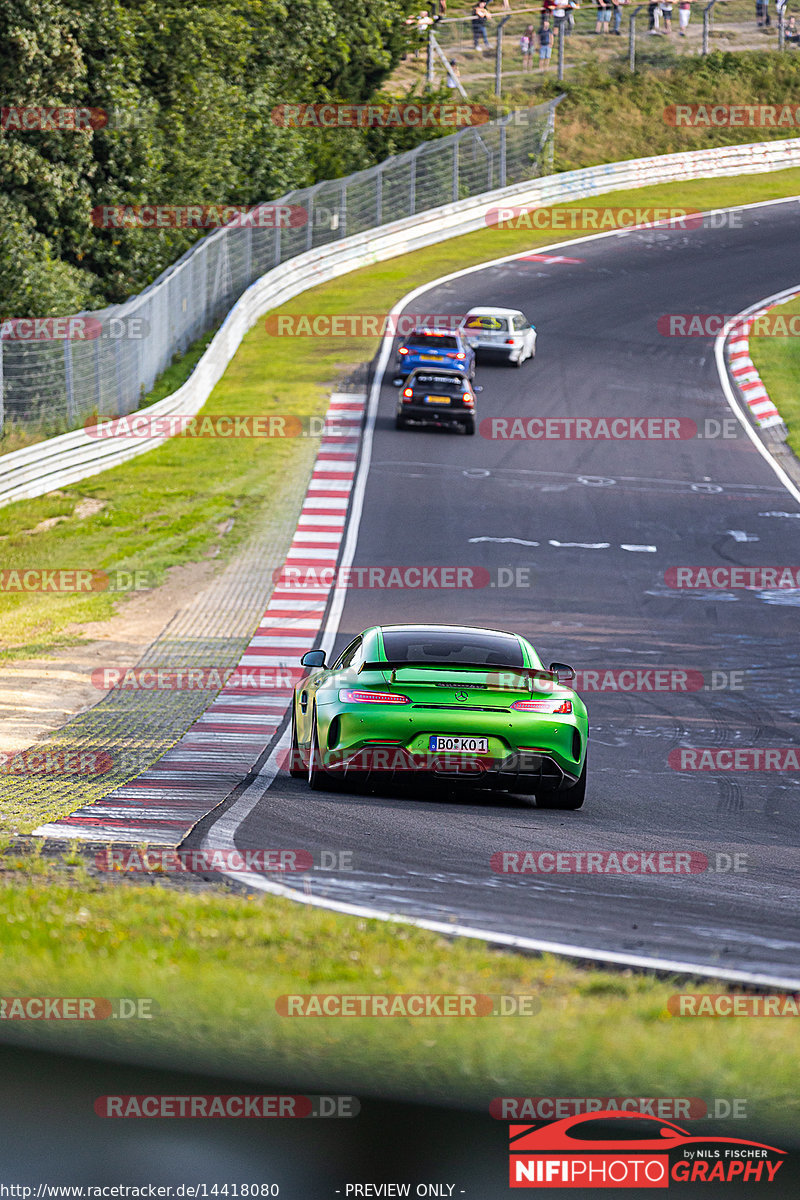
(596, 525)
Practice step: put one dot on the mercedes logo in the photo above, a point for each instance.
(462, 695)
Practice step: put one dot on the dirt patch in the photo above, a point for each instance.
(40, 695)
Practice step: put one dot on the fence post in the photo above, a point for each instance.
(707, 24)
(379, 197)
(561, 25)
(503, 129)
(455, 169)
(412, 194)
(429, 65)
(498, 57)
(68, 380)
(2, 390)
(781, 29)
(632, 38)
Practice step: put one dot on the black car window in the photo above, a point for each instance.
(433, 341)
(346, 659)
(419, 645)
(442, 383)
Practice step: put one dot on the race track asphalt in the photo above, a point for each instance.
(596, 524)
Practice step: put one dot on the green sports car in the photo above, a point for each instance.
(463, 705)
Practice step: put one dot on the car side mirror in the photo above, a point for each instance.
(562, 671)
(313, 658)
(476, 387)
(397, 383)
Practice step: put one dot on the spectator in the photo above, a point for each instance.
(791, 32)
(603, 16)
(480, 15)
(617, 15)
(526, 46)
(762, 12)
(559, 17)
(545, 44)
(453, 75)
(572, 5)
(653, 13)
(666, 12)
(684, 14)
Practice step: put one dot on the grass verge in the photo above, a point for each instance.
(777, 360)
(167, 506)
(216, 962)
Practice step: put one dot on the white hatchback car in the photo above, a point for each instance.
(500, 331)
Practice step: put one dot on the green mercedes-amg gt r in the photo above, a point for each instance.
(459, 704)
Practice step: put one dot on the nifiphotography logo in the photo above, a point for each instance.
(613, 1149)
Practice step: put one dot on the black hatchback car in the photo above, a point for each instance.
(437, 398)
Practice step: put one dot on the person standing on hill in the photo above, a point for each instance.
(480, 15)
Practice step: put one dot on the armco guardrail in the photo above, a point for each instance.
(110, 359)
(64, 460)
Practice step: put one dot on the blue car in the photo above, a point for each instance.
(428, 348)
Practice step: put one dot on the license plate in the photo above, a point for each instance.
(475, 745)
(430, 357)
(438, 399)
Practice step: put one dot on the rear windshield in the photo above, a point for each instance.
(442, 383)
(490, 324)
(420, 645)
(433, 341)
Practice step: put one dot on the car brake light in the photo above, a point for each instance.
(468, 399)
(543, 706)
(509, 341)
(349, 696)
(403, 350)
(461, 354)
(407, 393)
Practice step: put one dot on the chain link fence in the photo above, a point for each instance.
(109, 360)
(492, 56)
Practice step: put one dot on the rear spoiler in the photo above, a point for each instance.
(528, 676)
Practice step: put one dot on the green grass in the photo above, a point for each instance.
(215, 964)
(778, 362)
(165, 507)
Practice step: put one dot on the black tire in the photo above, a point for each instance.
(316, 772)
(570, 799)
(297, 769)
(519, 361)
(399, 422)
(469, 426)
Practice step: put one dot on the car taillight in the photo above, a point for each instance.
(407, 394)
(403, 350)
(461, 354)
(543, 706)
(467, 398)
(509, 341)
(349, 696)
